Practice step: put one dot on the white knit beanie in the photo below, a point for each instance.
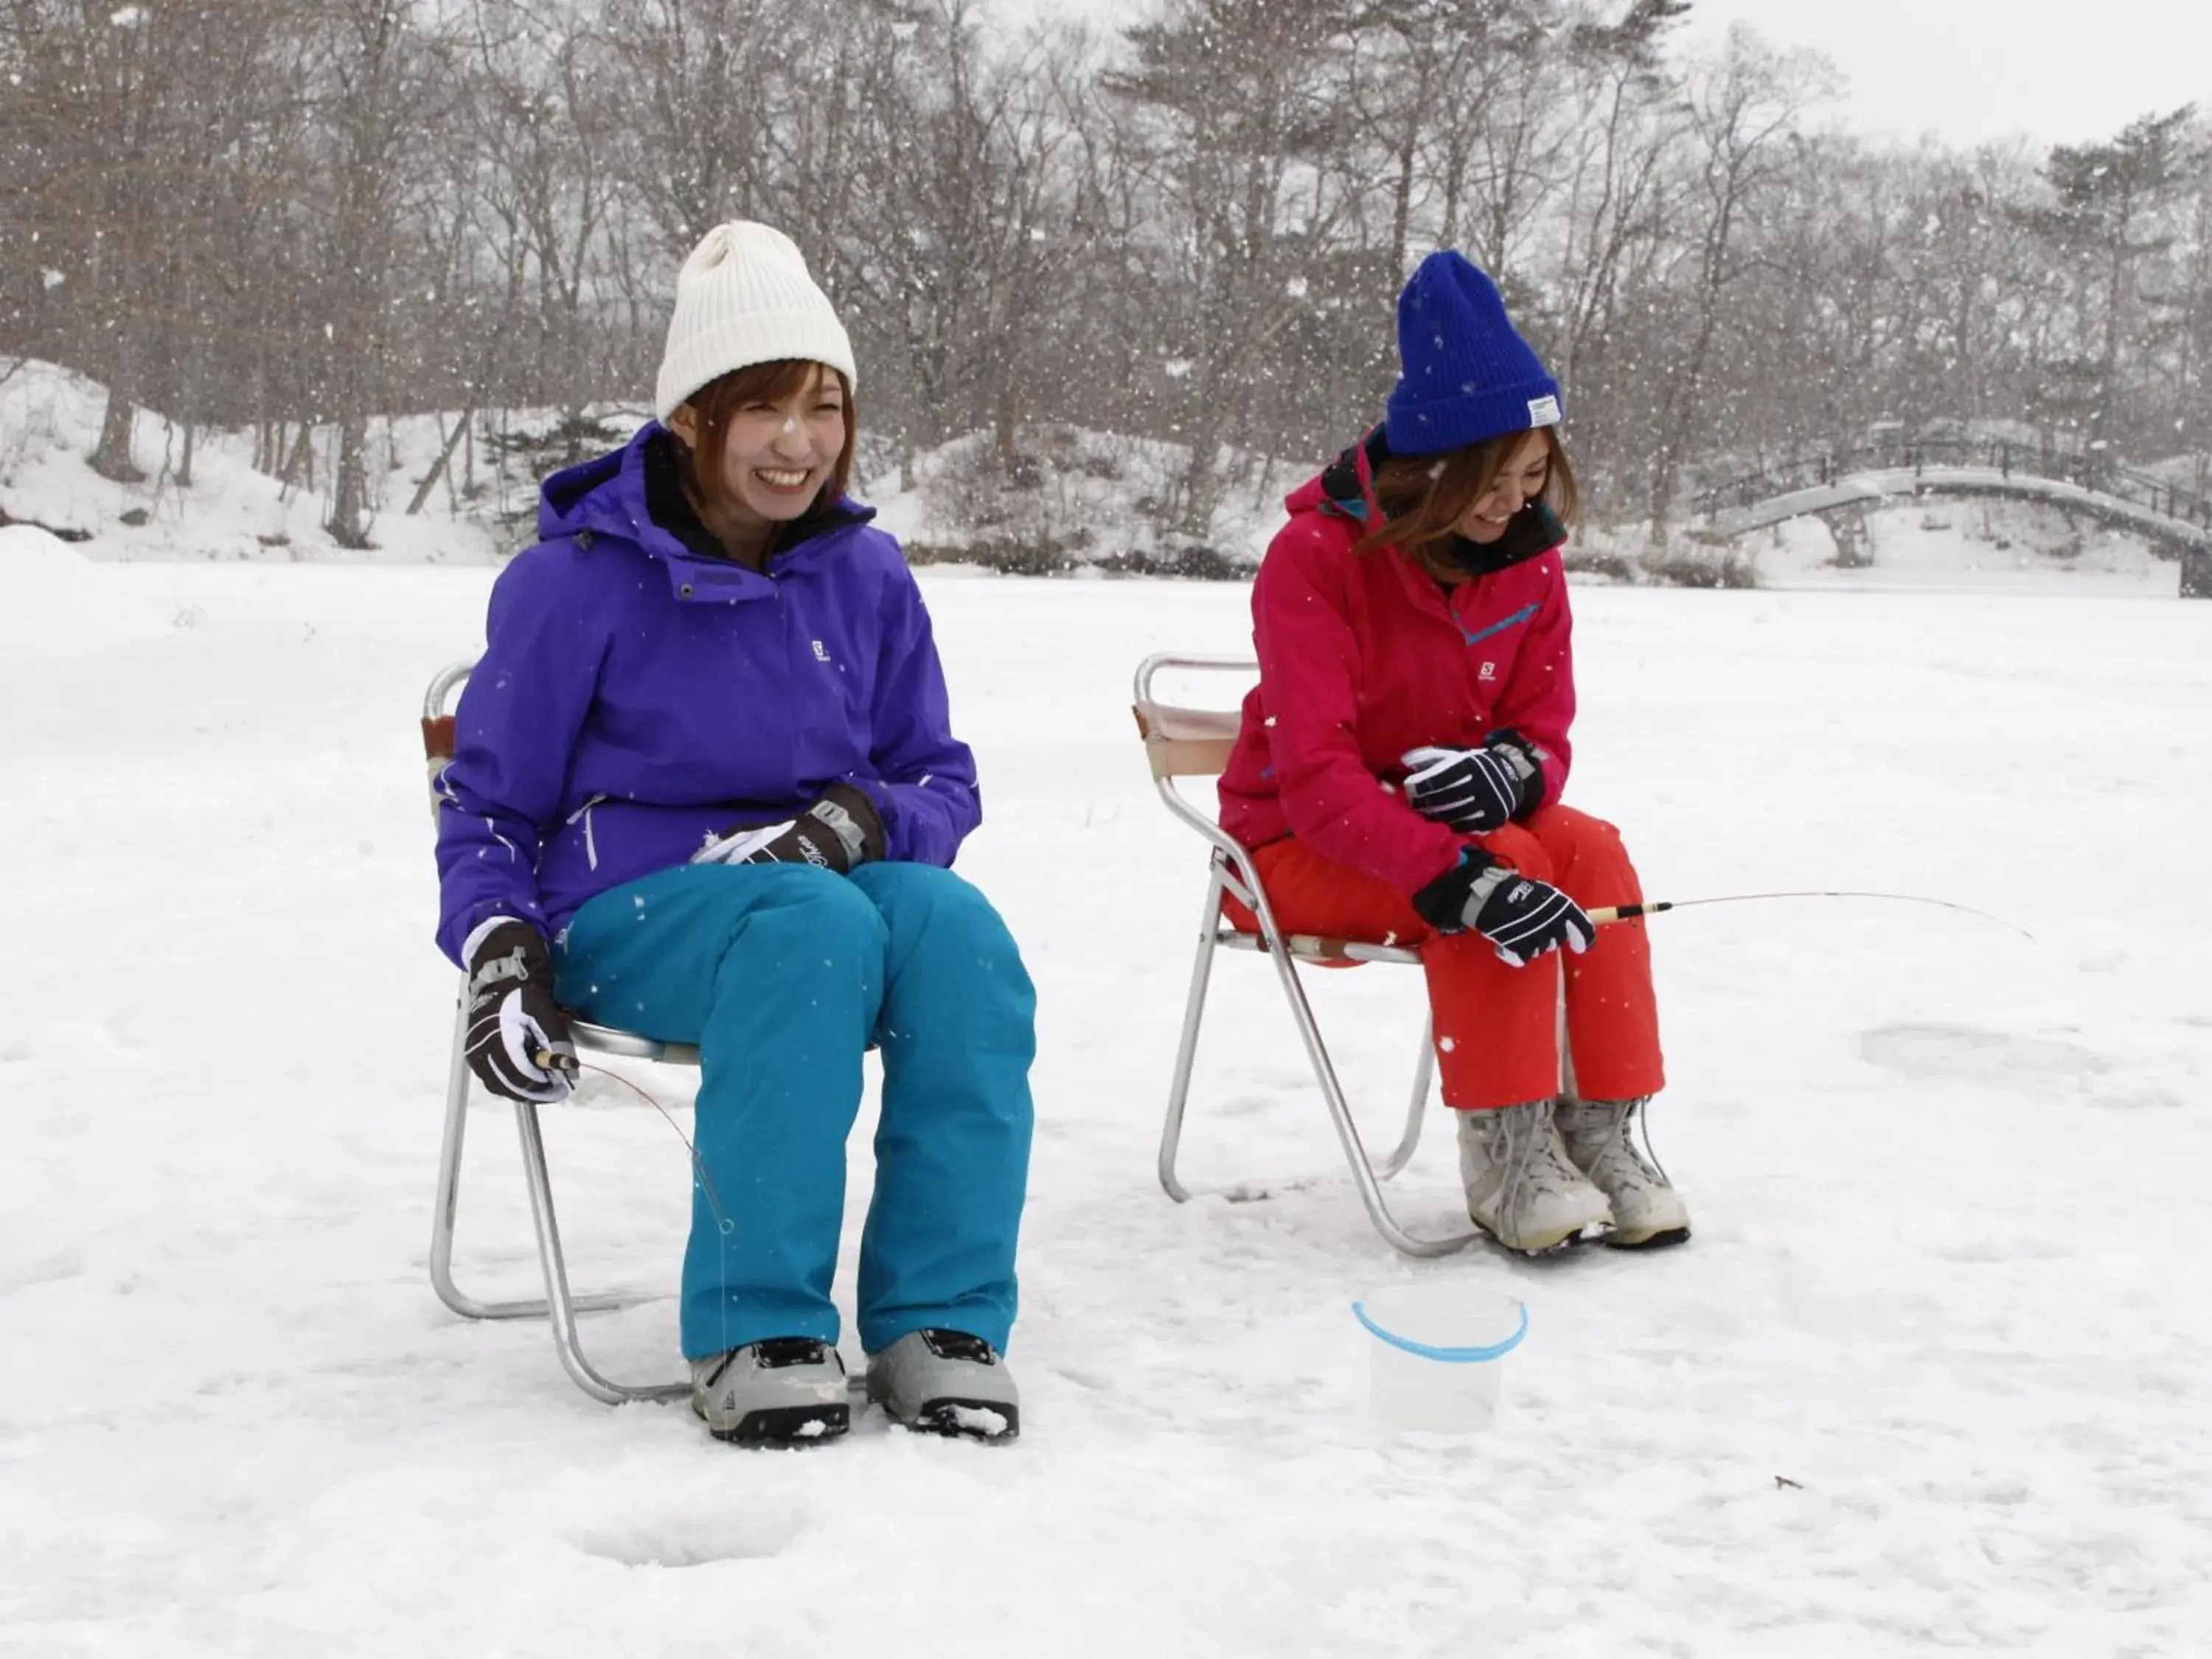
(744, 297)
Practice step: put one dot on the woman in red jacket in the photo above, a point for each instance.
(1399, 771)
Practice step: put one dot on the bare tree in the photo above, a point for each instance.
(386, 83)
(695, 135)
(1743, 113)
(1248, 101)
(546, 110)
(1614, 215)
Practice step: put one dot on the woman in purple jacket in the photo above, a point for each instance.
(704, 787)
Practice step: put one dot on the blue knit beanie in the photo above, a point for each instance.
(1466, 375)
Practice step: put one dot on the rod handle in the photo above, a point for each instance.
(1605, 915)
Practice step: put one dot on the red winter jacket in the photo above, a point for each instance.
(1364, 658)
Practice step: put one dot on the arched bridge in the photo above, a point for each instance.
(2176, 521)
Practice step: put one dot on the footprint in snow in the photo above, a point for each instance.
(1963, 1053)
(693, 1539)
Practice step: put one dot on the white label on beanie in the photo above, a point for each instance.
(1543, 411)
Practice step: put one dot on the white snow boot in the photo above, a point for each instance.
(785, 1391)
(941, 1381)
(1647, 1211)
(1521, 1189)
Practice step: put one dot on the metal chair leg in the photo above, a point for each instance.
(458, 1081)
(563, 1306)
(559, 1305)
(1363, 1172)
(1201, 973)
(1417, 1111)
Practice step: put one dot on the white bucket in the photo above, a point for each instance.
(1438, 1353)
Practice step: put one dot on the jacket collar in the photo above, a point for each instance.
(669, 508)
(634, 493)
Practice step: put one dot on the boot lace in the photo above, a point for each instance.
(1531, 1154)
(1617, 1136)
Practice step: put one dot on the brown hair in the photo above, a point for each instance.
(1422, 497)
(722, 398)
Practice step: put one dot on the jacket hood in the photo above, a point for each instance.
(627, 493)
(583, 497)
(1346, 489)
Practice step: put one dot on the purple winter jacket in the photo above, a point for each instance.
(636, 697)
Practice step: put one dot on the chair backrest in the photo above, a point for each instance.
(1186, 743)
(1182, 742)
(445, 689)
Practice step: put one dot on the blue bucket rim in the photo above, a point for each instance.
(1449, 1356)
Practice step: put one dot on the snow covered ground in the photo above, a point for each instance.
(1945, 1284)
(1968, 545)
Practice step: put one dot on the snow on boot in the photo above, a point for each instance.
(941, 1381)
(785, 1391)
(1521, 1189)
(1647, 1211)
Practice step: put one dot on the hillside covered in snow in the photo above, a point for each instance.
(1076, 501)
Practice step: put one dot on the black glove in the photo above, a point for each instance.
(1523, 919)
(1476, 790)
(840, 832)
(513, 1018)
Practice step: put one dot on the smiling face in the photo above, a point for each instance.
(1520, 480)
(784, 431)
(1428, 503)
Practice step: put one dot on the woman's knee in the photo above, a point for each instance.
(1565, 827)
(911, 897)
(938, 921)
(796, 899)
(1523, 848)
(1581, 843)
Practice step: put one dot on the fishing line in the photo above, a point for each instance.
(548, 1061)
(1606, 914)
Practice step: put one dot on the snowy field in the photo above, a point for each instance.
(1947, 1286)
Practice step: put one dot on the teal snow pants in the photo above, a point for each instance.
(782, 974)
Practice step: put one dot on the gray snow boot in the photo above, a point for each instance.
(784, 1391)
(1521, 1189)
(941, 1381)
(1647, 1211)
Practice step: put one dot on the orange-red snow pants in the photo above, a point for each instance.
(1496, 1027)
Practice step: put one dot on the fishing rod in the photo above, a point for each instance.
(1605, 915)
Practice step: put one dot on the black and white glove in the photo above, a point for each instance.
(1475, 790)
(1522, 918)
(518, 1044)
(839, 832)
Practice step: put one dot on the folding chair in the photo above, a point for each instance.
(559, 1305)
(1195, 743)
